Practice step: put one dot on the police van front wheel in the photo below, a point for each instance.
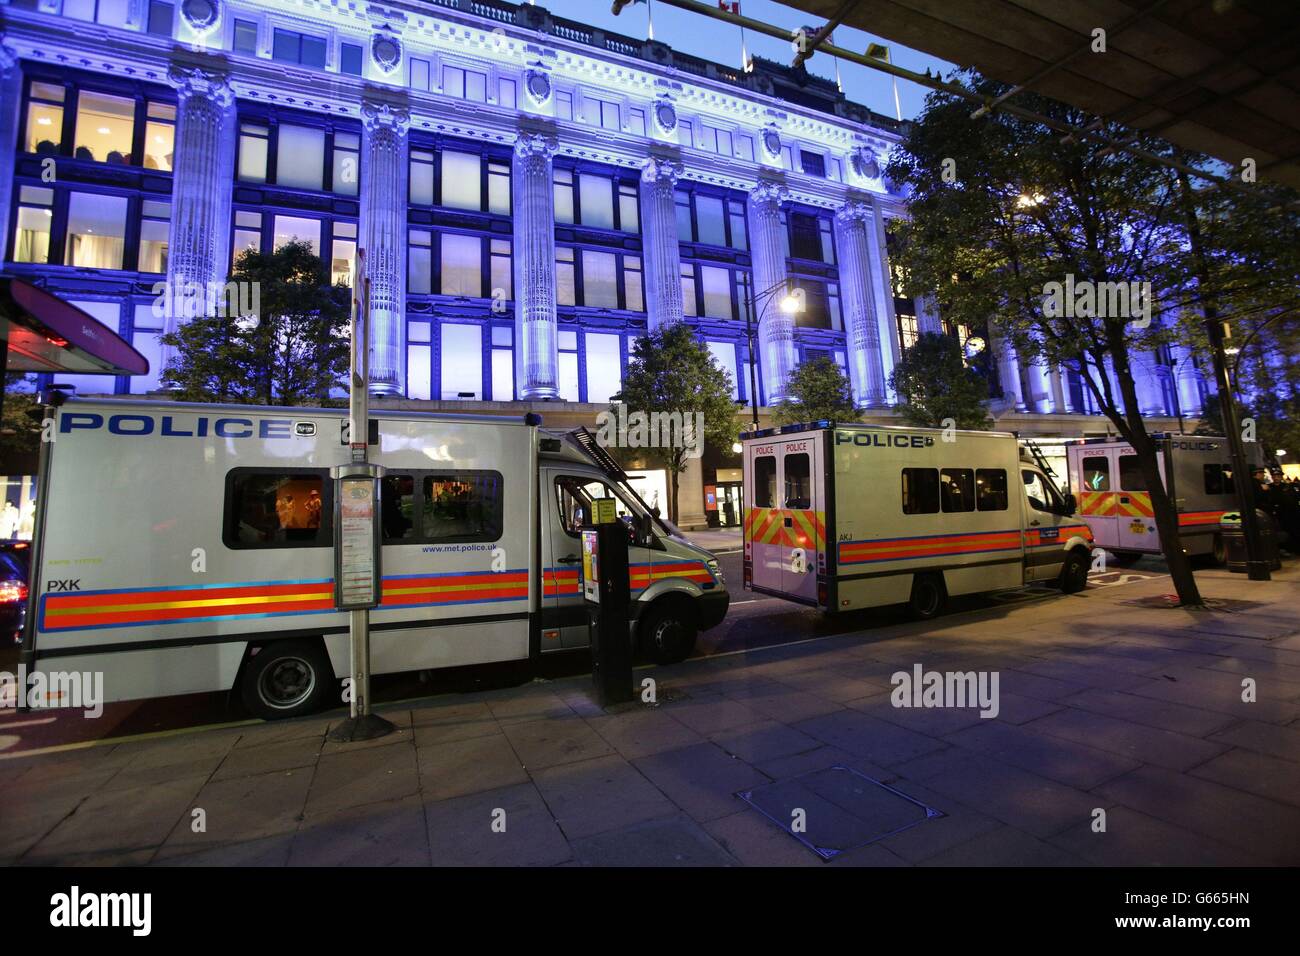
(667, 633)
(287, 679)
(928, 597)
(1074, 575)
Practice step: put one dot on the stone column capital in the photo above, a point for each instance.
(853, 211)
(659, 171)
(376, 115)
(192, 82)
(8, 58)
(531, 145)
(769, 193)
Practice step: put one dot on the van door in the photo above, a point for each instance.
(1043, 510)
(802, 516)
(1096, 497)
(763, 527)
(1135, 520)
(566, 506)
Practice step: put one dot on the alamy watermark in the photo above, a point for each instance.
(75, 689)
(623, 429)
(1101, 300)
(189, 300)
(922, 689)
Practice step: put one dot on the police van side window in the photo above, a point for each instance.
(991, 489)
(957, 489)
(1218, 480)
(1096, 473)
(765, 481)
(920, 491)
(798, 482)
(464, 506)
(1130, 474)
(269, 508)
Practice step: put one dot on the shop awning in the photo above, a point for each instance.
(46, 334)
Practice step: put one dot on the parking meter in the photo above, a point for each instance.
(606, 591)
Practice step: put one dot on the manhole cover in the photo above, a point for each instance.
(837, 809)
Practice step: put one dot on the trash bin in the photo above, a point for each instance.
(1234, 540)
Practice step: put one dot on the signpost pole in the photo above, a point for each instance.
(357, 573)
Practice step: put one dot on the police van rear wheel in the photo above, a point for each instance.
(287, 679)
(667, 633)
(928, 597)
(1074, 576)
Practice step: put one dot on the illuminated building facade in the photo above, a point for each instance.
(533, 195)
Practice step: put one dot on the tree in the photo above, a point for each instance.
(934, 385)
(293, 348)
(1079, 255)
(818, 390)
(672, 373)
(20, 426)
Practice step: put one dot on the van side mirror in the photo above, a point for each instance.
(642, 530)
(1071, 506)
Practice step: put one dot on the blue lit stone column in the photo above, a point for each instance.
(861, 324)
(383, 237)
(537, 364)
(11, 81)
(198, 241)
(1187, 380)
(662, 255)
(775, 328)
(1008, 366)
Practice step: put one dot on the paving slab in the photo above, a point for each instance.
(239, 810)
(701, 779)
(462, 767)
(510, 826)
(594, 796)
(1255, 773)
(391, 833)
(669, 841)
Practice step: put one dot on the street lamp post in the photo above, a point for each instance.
(753, 317)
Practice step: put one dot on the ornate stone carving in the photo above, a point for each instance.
(537, 84)
(386, 50)
(666, 116)
(661, 252)
(383, 236)
(201, 16)
(536, 334)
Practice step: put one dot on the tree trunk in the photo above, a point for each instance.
(672, 495)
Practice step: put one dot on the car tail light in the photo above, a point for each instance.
(12, 592)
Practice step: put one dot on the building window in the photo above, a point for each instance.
(350, 59)
(418, 360)
(301, 48)
(602, 113)
(343, 253)
(461, 265)
(464, 84)
(604, 368)
(716, 140)
(636, 121)
(599, 280)
(567, 347)
(32, 230)
(506, 93)
(245, 40)
(155, 221)
(419, 272)
(111, 13)
(499, 187)
(566, 284)
(685, 229)
(421, 76)
(347, 163)
(689, 306)
(461, 361)
(500, 266)
(296, 229)
(248, 233)
(805, 238)
(44, 118)
(105, 127)
(632, 288)
(563, 189)
(421, 178)
(685, 135)
(300, 157)
(563, 105)
(711, 225)
(597, 201)
(159, 136)
(503, 366)
(254, 146)
(909, 330)
(96, 231)
(162, 17)
(745, 147)
(716, 284)
(814, 164)
(462, 186)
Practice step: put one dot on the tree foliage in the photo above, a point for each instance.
(293, 351)
(1028, 208)
(818, 390)
(672, 371)
(934, 385)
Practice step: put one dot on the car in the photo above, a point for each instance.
(14, 566)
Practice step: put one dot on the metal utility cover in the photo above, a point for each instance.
(842, 809)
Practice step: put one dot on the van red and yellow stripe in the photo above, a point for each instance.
(1052, 537)
(187, 604)
(561, 582)
(1134, 504)
(1200, 519)
(928, 546)
(643, 575)
(1097, 504)
(767, 526)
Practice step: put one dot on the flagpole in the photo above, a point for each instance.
(650, 19)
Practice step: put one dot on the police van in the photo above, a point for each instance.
(183, 548)
(1116, 504)
(845, 517)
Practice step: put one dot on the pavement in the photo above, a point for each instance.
(1126, 734)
